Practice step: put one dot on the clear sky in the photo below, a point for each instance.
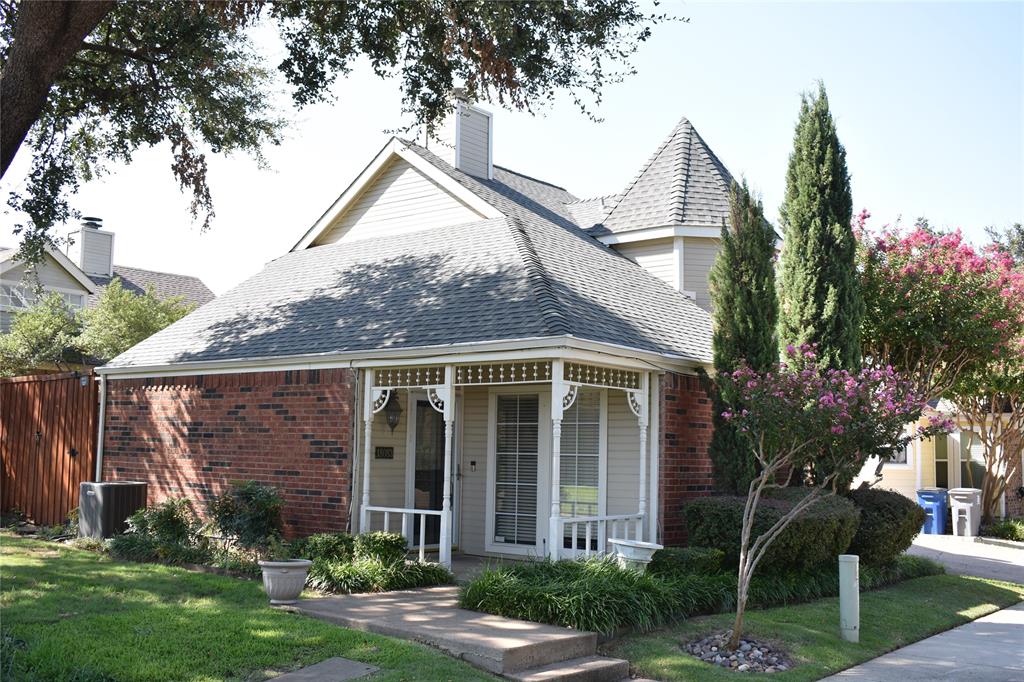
(928, 98)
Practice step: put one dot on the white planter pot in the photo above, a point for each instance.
(284, 580)
(634, 554)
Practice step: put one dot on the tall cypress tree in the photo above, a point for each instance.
(742, 284)
(818, 295)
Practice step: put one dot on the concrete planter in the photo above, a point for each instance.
(634, 554)
(284, 580)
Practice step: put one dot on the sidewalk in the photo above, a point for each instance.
(990, 649)
(963, 556)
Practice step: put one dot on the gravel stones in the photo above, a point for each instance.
(751, 657)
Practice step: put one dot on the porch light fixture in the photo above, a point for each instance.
(393, 411)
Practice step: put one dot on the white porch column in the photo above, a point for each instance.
(367, 448)
(557, 395)
(447, 394)
(644, 418)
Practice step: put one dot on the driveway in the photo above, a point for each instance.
(986, 650)
(963, 556)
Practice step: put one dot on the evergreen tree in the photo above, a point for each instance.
(742, 284)
(820, 302)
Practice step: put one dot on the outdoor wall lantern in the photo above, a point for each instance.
(393, 411)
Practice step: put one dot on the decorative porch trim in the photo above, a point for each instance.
(601, 376)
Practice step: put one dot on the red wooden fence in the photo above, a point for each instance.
(47, 442)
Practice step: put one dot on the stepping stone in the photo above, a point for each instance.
(332, 670)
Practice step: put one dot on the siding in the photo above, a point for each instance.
(399, 200)
(51, 274)
(698, 257)
(656, 256)
(387, 476)
(473, 500)
(474, 151)
(623, 456)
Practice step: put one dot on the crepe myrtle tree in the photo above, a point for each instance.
(935, 305)
(804, 414)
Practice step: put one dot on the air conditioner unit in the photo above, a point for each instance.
(104, 507)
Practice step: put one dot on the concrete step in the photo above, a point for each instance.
(586, 669)
(431, 616)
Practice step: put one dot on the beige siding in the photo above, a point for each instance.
(698, 257)
(401, 199)
(387, 476)
(656, 256)
(472, 499)
(474, 132)
(623, 449)
(51, 274)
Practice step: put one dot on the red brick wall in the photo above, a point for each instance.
(189, 436)
(685, 468)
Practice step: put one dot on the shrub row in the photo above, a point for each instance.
(371, 574)
(686, 560)
(1007, 529)
(598, 596)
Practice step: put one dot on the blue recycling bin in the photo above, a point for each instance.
(934, 503)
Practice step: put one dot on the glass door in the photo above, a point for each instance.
(428, 469)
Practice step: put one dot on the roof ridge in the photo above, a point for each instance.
(555, 320)
(684, 178)
(589, 199)
(530, 177)
(156, 272)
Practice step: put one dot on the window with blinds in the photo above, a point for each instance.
(515, 480)
(579, 484)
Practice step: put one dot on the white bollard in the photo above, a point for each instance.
(849, 597)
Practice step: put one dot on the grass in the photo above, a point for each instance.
(890, 618)
(75, 615)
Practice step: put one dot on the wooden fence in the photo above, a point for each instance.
(47, 442)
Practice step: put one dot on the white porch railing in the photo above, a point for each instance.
(599, 529)
(408, 519)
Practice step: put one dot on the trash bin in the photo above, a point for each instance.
(933, 501)
(965, 503)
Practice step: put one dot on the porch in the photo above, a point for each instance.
(497, 459)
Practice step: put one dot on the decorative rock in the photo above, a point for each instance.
(750, 657)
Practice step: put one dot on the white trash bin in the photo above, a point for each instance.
(965, 506)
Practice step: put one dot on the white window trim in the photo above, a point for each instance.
(543, 391)
(46, 290)
(912, 450)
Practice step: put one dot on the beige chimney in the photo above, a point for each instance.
(465, 139)
(91, 248)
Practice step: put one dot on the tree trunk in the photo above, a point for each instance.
(47, 34)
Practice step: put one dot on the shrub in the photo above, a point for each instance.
(249, 513)
(889, 522)
(371, 574)
(1007, 529)
(387, 547)
(686, 560)
(330, 546)
(134, 547)
(168, 532)
(816, 537)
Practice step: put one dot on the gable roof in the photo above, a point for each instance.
(683, 184)
(8, 262)
(165, 285)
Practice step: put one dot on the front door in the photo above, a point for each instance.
(426, 470)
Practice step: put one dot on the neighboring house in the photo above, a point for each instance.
(456, 351)
(83, 272)
(952, 461)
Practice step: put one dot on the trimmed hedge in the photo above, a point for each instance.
(686, 561)
(598, 596)
(820, 534)
(331, 546)
(249, 513)
(1007, 529)
(387, 547)
(889, 522)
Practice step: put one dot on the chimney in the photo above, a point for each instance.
(465, 138)
(91, 248)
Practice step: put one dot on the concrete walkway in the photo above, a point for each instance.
(964, 556)
(990, 649)
(516, 649)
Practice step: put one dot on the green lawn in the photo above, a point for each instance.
(890, 618)
(74, 615)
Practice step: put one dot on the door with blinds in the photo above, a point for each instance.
(518, 436)
(581, 464)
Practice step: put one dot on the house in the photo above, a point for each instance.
(81, 274)
(955, 460)
(455, 351)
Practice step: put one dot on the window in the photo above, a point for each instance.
(516, 458)
(941, 462)
(17, 297)
(901, 456)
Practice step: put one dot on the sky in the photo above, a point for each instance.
(928, 98)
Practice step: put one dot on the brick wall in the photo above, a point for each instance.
(685, 468)
(189, 436)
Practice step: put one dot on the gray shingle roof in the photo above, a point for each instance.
(165, 284)
(683, 183)
(533, 273)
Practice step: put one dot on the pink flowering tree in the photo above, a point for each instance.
(935, 305)
(800, 415)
